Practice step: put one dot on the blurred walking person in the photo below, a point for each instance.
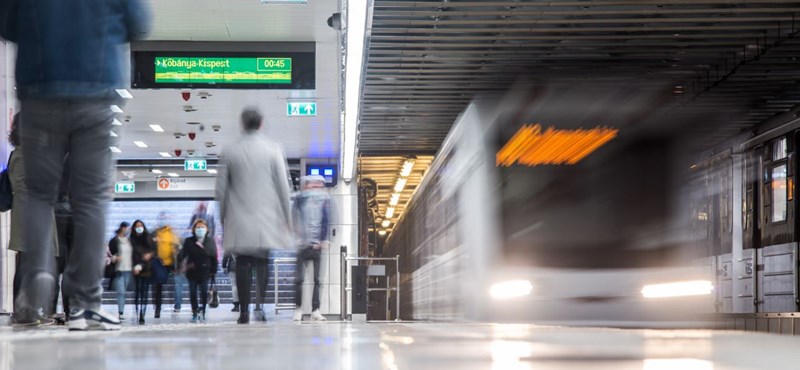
(253, 193)
(67, 70)
(200, 253)
(121, 250)
(23, 316)
(310, 216)
(229, 266)
(167, 245)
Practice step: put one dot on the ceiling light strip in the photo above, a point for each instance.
(354, 74)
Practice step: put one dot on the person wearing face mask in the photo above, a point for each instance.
(143, 252)
(200, 253)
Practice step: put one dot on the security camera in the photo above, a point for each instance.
(216, 128)
(335, 21)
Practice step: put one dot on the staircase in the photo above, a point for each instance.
(286, 273)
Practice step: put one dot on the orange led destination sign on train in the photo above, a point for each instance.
(532, 147)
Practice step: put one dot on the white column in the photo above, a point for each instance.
(6, 102)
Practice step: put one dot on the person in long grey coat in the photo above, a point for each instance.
(253, 193)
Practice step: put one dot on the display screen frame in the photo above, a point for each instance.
(143, 69)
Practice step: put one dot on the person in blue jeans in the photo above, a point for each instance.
(122, 256)
(180, 283)
(68, 68)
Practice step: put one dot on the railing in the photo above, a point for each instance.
(277, 262)
(347, 288)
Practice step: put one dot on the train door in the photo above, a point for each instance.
(722, 203)
(777, 257)
(751, 232)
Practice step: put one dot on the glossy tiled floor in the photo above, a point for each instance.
(173, 343)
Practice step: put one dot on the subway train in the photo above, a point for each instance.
(603, 238)
(745, 213)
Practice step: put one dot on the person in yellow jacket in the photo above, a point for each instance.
(167, 245)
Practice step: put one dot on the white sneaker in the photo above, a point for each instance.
(316, 316)
(298, 314)
(92, 320)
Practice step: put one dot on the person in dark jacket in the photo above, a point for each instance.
(143, 252)
(200, 253)
(68, 70)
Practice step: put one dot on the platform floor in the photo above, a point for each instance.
(173, 343)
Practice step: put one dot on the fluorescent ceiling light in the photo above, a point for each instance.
(116, 109)
(157, 128)
(382, 232)
(389, 212)
(354, 63)
(114, 134)
(157, 172)
(401, 183)
(165, 154)
(116, 122)
(140, 144)
(124, 93)
(212, 171)
(394, 200)
(407, 168)
(386, 223)
(115, 149)
(173, 174)
(679, 289)
(511, 289)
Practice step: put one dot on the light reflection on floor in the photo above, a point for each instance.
(174, 343)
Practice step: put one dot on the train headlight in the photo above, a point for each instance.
(678, 289)
(511, 289)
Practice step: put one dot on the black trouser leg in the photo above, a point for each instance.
(261, 266)
(316, 258)
(193, 294)
(17, 279)
(60, 263)
(244, 275)
(299, 278)
(157, 296)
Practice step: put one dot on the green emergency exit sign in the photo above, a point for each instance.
(301, 109)
(125, 187)
(195, 165)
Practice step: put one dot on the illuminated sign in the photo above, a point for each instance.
(213, 70)
(195, 165)
(328, 171)
(530, 146)
(125, 187)
(301, 109)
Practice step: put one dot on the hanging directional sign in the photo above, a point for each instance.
(301, 109)
(195, 165)
(125, 187)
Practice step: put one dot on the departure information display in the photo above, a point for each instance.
(220, 70)
(253, 66)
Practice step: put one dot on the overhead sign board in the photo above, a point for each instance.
(301, 109)
(186, 183)
(209, 70)
(210, 65)
(195, 165)
(125, 187)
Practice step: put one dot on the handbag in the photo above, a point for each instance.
(214, 301)
(160, 273)
(6, 192)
